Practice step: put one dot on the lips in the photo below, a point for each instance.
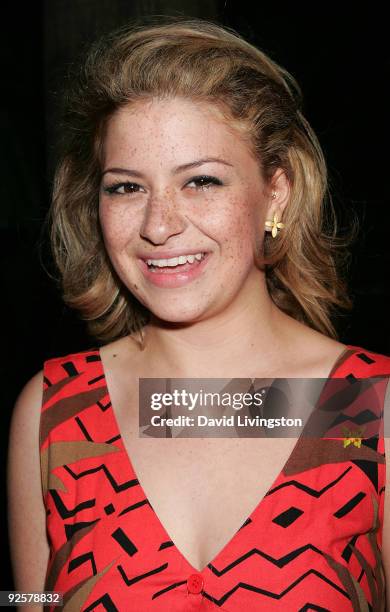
(174, 276)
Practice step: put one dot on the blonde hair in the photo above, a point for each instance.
(202, 61)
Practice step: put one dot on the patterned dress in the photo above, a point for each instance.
(312, 542)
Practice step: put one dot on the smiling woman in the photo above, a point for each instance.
(254, 98)
(215, 216)
(193, 230)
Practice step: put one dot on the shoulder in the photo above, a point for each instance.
(23, 447)
(321, 356)
(69, 365)
(363, 362)
(71, 384)
(27, 406)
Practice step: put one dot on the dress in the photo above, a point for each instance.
(312, 542)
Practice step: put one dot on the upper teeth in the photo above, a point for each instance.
(174, 261)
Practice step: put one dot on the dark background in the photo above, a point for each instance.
(339, 59)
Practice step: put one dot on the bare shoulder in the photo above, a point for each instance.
(27, 409)
(23, 450)
(121, 354)
(25, 421)
(28, 541)
(313, 353)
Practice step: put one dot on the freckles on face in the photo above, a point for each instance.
(118, 231)
(148, 202)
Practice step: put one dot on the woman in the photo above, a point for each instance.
(187, 224)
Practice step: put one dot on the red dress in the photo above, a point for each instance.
(312, 542)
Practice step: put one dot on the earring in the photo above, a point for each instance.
(274, 225)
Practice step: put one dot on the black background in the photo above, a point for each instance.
(341, 61)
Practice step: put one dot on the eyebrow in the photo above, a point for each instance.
(176, 170)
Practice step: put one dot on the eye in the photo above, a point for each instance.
(121, 188)
(204, 182)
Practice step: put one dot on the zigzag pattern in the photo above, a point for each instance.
(102, 467)
(65, 512)
(280, 563)
(309, 490)
(110, 551)
(131, 581)
(364, 417)
(242, 585)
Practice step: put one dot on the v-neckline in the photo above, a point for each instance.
(251, 517)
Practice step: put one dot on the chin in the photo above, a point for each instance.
(177, 314)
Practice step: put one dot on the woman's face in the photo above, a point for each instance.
(161, 199)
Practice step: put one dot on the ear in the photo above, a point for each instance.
(280, 186)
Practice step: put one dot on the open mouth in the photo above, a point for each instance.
(178, 273)
(174, 266)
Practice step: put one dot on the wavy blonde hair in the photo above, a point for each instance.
(201, 61)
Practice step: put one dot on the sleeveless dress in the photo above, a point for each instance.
(313, 542)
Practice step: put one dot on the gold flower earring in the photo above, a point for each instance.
(274, 226)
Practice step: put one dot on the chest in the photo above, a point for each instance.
(201, 489)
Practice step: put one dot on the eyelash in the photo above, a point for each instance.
(113, 189)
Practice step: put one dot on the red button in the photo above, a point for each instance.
(195, 583)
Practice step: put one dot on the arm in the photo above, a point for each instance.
(26, 511)
(386, 525)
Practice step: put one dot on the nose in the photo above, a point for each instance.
(162, 220)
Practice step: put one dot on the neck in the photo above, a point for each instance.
(249, 333)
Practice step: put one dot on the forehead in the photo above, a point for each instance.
(175, 129)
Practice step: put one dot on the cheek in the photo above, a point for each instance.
(235, 228)
(116, 228)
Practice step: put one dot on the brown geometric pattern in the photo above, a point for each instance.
(312, 542)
